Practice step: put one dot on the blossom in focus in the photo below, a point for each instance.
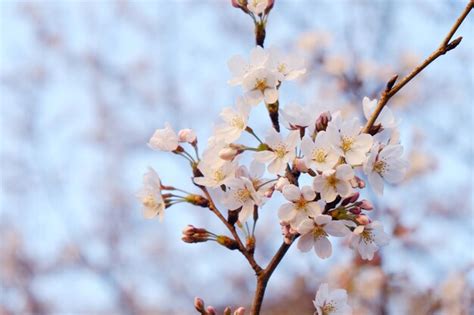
(150, 196)
(241, 193)
(215, 173)
(319, 155)
(367, 239)
(301, 205)
(334, 182)
(347, 141)
(314, 233)
(385, 164)
(235, 121)
(282, 151)
(331, 302)
(164, 139)
(260, 84)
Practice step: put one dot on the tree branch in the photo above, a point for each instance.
(392, 88)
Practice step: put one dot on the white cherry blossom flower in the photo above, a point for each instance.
(385, 164)
(216, 173)
(241, 193)
(319, 155)
(331, 302)
(347, 141)
(164, 139)
(260, 84)
(235, 122)
(239, 67)
(314, 233)
(257, 6)
(301, 206)
(287, 67)
(150, 196)
(299, 116)
(282, 151)
(254, 173)
(367, 239)
(334, 182)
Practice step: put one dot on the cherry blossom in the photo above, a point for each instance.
(235, 121)
(164, 139)
(334, 182)
(215, 173)
(347, 141)
(331, 302)
(387, 164)
(298, 116)
(239, 67)
(287, 67)
(260, 84)
(241, 194)
(150, 196)
(281, 153)
(319, 154)
(367, 239)
(314, 233)
(301, 205)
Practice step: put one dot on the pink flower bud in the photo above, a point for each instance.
(189, 230)
(362, 219)
(351, 199)
(366, 205)
(240, 311)
(323, 121)
(227, 311)
(211, 310)
(269, 192)
(199, 304)
(356, 210)
(300, 165)
(228, 154)
(281, 182)
(239, 3)
(187, 135)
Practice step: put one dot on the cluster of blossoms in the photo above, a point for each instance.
(325, 150)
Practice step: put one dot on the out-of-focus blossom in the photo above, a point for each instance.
(164, 139)
(150, 195)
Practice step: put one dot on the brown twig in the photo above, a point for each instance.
(241, 247)
(262, 279)
(392, 88)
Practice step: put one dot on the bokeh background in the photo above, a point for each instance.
(83, 85)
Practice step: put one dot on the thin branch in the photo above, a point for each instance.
(255, 266)
(392, 88)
